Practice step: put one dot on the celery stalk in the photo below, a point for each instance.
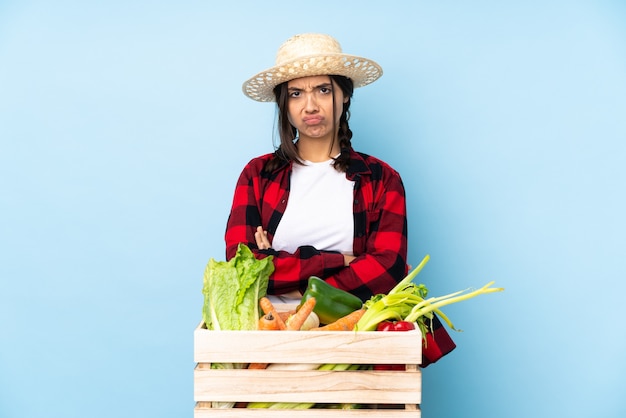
(409, 278)
(407, 301)
(279, 405)
(447, 300)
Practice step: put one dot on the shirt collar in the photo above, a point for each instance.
(357, 166)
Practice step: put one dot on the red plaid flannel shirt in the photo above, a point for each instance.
(380, 228)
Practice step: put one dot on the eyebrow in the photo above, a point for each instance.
(323, 85)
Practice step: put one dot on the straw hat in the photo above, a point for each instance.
(308, 55)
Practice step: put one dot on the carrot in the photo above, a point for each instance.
(268, 323)
(284, 315)
(345, 323)
(267, 307)
(258, 366)
(295, 321)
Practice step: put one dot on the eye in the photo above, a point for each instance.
(326, 90)
(294, 94)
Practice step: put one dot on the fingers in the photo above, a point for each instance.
(260, 236)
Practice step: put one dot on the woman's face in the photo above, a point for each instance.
(310, 106)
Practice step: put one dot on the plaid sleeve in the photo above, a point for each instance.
(380, 235)
(245, 210)
(292, 271)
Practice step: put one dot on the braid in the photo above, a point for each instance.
(345, 136)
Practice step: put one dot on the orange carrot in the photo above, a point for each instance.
(268, 323)
(258, 366)
(267, 307)
(284, 315)
(345, 323)
(295, 321)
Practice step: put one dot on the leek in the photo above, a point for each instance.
(408, 301)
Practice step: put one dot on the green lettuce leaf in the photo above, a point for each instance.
(232, 290)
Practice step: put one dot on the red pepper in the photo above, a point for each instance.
(393, 326)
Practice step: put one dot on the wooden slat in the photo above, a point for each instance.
(307, 347)
(361, 386)
(306, 413)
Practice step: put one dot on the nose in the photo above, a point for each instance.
(311, 103)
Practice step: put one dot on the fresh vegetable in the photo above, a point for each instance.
(268, 308)
(231, 297)
(295, 322)
(393, 326)
(232, 290)
(407, 302)
(284, 315)
(280, 405)
(312, 321)
(257, 366)
(345, 323)
(273, 322)
(332, 303)
(268, 323)
(433, 304)
(393, 307)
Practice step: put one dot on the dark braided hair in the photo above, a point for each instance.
(287, 150)
(345, 134)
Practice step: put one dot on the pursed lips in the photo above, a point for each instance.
(313, 120)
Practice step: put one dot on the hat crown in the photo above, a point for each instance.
(305, 45)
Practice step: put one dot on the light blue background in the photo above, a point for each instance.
(123, 130)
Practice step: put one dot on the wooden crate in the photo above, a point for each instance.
(384, 394)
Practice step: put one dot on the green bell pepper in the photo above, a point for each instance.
(331, 303)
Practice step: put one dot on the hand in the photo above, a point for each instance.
(347, 259)
(260, 237)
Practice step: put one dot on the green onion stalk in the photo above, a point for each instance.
(408, 301)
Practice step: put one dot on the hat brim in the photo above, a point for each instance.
(361, 71)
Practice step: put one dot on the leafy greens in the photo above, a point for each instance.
(232, 290)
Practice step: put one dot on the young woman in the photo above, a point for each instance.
(316, 205)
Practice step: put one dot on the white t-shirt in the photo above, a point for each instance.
(319, 211)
